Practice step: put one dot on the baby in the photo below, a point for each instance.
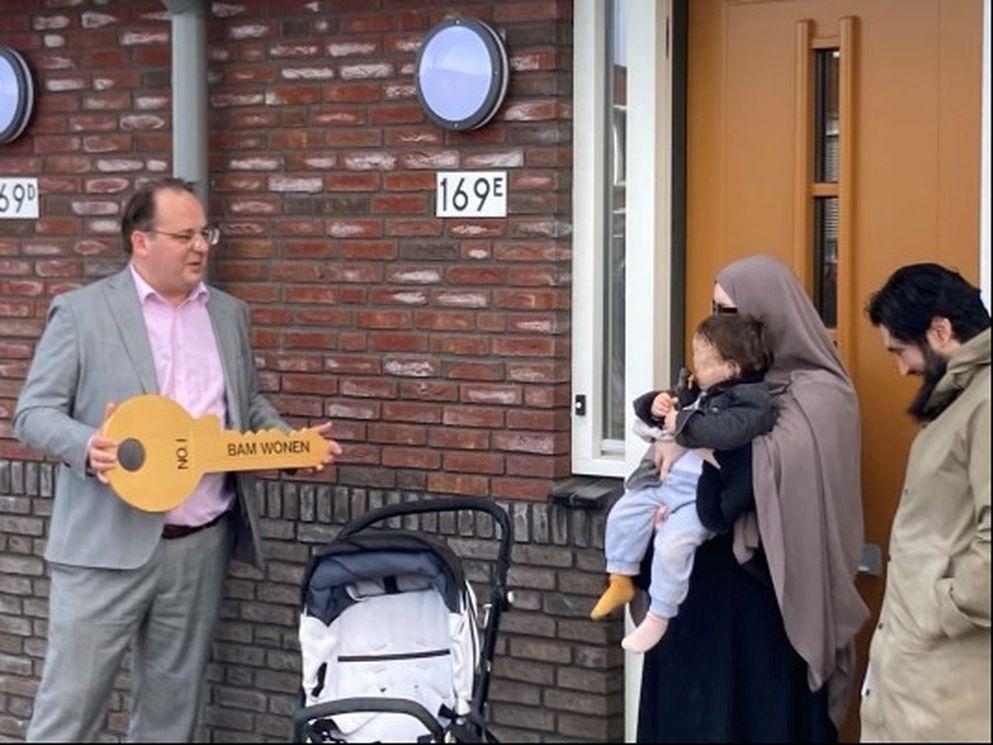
(715, 420)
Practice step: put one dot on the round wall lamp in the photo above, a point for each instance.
(16, 94)
(462, 73)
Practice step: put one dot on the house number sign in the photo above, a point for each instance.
(471, 194)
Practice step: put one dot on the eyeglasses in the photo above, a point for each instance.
(716, 308)
(210, 234)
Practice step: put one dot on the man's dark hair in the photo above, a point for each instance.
(739, 338)
(914, 295)
(139, 212)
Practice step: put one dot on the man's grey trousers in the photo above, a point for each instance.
(166, 609)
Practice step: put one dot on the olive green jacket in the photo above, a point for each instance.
(929, 663)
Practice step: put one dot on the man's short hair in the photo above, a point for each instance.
(139, 212)
(915, 294)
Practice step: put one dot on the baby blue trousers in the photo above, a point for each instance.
(630, 528)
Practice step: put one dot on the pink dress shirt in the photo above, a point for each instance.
(188, 369)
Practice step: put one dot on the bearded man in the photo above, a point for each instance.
(929, 663)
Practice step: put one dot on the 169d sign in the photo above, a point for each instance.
(18, 198)
(471, 194)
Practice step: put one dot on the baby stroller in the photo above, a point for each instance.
(388, 634)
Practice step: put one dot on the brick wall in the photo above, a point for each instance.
(440, 348)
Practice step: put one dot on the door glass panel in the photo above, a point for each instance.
(826, 259)
(614, 225)
(826, 115)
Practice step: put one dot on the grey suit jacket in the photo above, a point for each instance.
(95, 350)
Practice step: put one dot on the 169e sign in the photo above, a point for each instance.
(471, 194)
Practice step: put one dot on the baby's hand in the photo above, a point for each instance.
(665, 454)
(670, 420)
(663, 404)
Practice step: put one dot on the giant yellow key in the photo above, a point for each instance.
(163, 452)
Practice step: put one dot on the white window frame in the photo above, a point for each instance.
(648, 169)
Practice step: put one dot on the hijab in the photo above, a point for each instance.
(806, 478)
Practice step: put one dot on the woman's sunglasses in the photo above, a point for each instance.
(716, 308)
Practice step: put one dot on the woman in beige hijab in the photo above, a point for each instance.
(763, 646)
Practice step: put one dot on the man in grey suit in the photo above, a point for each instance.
(121, 576)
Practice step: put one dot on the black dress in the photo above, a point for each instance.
(725, 670)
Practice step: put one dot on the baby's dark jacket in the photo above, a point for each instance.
(727, 418)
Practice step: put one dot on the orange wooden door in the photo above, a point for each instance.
(837, 128)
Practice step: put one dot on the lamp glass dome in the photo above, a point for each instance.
(10, 93)
(461, 73)
(456, 73)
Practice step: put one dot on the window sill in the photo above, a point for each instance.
(585, 492)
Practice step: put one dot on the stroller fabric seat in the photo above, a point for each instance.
(388, 616)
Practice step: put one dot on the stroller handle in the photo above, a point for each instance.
(359, 705)
(446, 505)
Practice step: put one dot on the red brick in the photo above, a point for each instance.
(458, 437)
(531, 442)
(315, 384)
(477, 275)
(298, 227)
(383, 319)
(360, 453)
(353, 181)
(386, 114)
(393, 204)
(474, 462)
(429, 390)
(368, 250)
(538, 466)
(415, 227)
(394, 341)
(491, 393)
(409, 181)
(298, 95)
(353, 92)
(322, 249)
(399, 457)
(538, 420)
(308, 340)
(271, 316)
(406, 296)
(538, 372)
(488, 371)
(524, 346)
(351, 409)
(264, 338)
(449, 484)
(368, 387)
(56, 144)
(294, 139)
(473, 416)
(310, 294)
(530, 489)
(350, 364)
(368, 22)
(411, 412)
(295, 272)
(451, 320)
(398, 434)
(452, 344)
(363, 275)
